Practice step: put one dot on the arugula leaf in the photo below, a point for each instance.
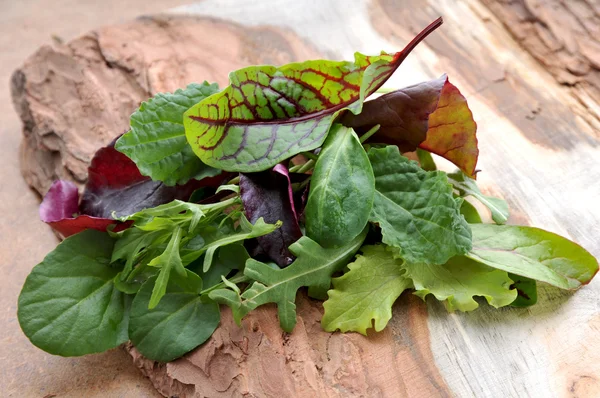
(459, 280)
(433, 115)
(268, 114)
(366, 292)
(416, 210)
(467, 186)
(533, 253)
(179, 323)
(69, 305)
(269, 195)
(526, 291)
(313, 266)
(342, 190)
(131, 243)
(228, 258)
(157, 143)
(169, 260)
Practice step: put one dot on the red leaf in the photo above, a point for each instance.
(432, 115)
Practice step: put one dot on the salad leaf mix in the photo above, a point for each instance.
(288, 178)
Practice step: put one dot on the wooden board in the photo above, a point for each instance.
(539, 150)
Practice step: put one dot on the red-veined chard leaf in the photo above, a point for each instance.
(268, 194)
(433, 115)
(268, 114)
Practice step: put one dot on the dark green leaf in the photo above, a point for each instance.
(69, 305)
(179, 323)
(169, 260)
(342, 189)
(157, 143)
(416, 210)
(526, 291)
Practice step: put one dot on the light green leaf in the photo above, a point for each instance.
(167, 261)
(233, 300)
(157, 143)
(131, 244)
(342, 188)
(69, 305)
(416, 210)
(366, 292)
(314, 265)
(468, 186)
(526, 291)
(470, 213)
(426, 160)
(459, 280)
(268, 114)
(180, 322)
(533, 253)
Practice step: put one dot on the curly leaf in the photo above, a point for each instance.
(157, 143)
(268, 114)
(433, 115)
(416, 210)
(342, 190)
(533, 253)
(366, 292)
(459, 280)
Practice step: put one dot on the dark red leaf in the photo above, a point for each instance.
(432, 115)
(268, 194)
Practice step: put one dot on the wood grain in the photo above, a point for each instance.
(539, 149)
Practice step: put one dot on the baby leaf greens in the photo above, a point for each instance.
(325, 201)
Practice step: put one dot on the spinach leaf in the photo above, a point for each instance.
(467, 186)
(533, 253)
(342, 190)
(366, 292)
(268, 114)
(179, 323)
(526, 291)
(416, 210)
(69, 305)
(157, 143)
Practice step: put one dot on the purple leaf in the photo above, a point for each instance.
(268, 194)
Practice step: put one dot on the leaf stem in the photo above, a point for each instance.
(307, 166)
(238, 278)
(310, 155)
(233, 181)
(369, 133)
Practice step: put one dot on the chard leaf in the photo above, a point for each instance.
(60, 209)
(157, 143)
(268, 194)
(526, 291)
(69, 305)
(342, 190)
(416, 210)
(459, 280)
(268, 114)
(169, 260)
(467, 186)
(366, 292)
(533, 253)
(179, 323)
(432, 115)
(313, 266)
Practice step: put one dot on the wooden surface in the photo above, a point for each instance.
(539, 145)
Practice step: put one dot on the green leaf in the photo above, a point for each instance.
(526, 291)
(180, 322)
(459, 280)
(426, 160)
(228, 258)
(247, 231)
(342, 189)
(167, 261)
(313, 266)
(467, 186)
(416, 210)
(69, 305)
(268, 114)
(157, 143)
(233, 300)
(131, 244)
(470, 213)
(533, 253)
(366, 292)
